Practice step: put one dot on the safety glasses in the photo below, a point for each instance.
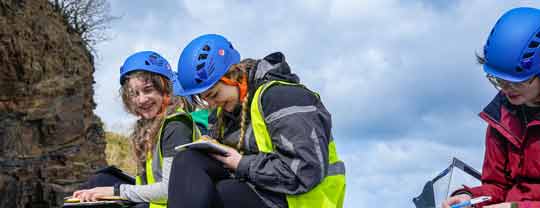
(199, 102)
(499, 84)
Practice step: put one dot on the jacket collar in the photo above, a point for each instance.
(503, 116)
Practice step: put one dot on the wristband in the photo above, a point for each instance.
(117, 189)
(514, 205)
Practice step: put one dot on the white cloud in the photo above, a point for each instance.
(391, 173)
(398, 76)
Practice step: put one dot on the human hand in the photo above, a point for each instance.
(231, 160)
(93, 194)
(208, 138)
(501, 205)
(455, 200)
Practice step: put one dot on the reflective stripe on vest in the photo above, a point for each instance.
(151, 165)
(331, 191)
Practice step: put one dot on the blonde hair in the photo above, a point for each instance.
(144, 136)
(237, 72)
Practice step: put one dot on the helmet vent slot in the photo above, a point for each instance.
(538, 35)
(198, 80)
(528, 55)
(203, 56)
(206, 48)
(534, 44)
(200, 66)
(519, 69)
(147, 63)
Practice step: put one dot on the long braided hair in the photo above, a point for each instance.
(144, 136)
(236, 72)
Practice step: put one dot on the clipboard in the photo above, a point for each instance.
(205, 146)
(458, 173)
(104, 202)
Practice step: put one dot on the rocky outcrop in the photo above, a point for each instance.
(50, 139)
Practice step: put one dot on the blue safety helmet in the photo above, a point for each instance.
(178, 90)
(146, 61)
(512, 49)
(203, 62)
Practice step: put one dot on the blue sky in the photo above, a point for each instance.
(398, 76)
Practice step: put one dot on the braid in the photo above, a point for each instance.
(239, 73)
(243, 122)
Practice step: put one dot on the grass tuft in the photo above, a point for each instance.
(120, 153)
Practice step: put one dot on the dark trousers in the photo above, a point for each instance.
(108, 177)
(198, 180)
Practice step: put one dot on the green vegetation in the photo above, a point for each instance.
(119, 152)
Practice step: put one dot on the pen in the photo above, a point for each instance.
(476, 200)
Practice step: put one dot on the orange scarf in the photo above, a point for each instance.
(242, 86)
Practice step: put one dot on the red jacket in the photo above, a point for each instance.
(511, 170)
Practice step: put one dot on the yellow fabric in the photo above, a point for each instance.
(332, 156)
(150, 180)
(179, 116)
(156, 205)
(262, 137)
(330, 192)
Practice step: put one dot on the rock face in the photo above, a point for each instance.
(50, 139)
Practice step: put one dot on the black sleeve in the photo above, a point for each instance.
(174, 134)
(299, 127)
(288, 96)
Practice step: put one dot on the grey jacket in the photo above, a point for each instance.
(299, 126)
(175, 133)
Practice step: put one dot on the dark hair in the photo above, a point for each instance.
(480, 58)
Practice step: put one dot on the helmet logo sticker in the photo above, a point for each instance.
(221, 52)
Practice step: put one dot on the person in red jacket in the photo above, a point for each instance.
(511, 169)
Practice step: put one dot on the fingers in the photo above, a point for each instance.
(86, 195)
(223, 159)
(78, 194)
(455, 200)
(218, 157)
(94, 197)
(447, 203)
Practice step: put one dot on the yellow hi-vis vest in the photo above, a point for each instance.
(180, 115)
(327, 194)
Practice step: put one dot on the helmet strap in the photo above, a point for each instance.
(242, 85)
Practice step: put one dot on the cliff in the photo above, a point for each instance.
(50, 139)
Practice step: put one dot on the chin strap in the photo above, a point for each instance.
(242, 86)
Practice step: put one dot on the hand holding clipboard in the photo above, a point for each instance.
(205, 144)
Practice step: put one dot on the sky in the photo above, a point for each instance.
(398, 76)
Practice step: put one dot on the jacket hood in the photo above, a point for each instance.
(271, 67)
